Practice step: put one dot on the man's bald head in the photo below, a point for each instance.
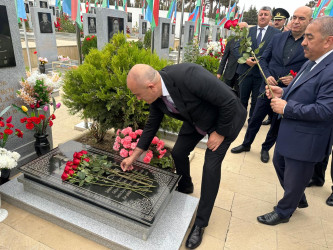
(144, 82)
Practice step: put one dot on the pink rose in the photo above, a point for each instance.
(128, 139)
(150, 154)
(155, 140)
(127, 144)
(133, 145)
(162, 152)
(118, 139)
(130, 152)
(160, 145)
(146, 159)
(46, 108)
(138, 131)
(123, 153)
(118, 131)
(133, 135)
(116, 146)
(126, 131)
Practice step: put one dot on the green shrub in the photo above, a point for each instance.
(97, 89)
(88, 43)
(191, 52)
(66, 24)
(208, 62)
(147, 39)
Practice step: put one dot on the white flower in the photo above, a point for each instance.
(16, 156)
(8, 159)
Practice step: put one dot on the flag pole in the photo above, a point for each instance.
(26, 44)
(180, 32)
(200, 24)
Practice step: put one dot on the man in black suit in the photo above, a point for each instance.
(190, 93)
(251, 83)
(284, 53)
(228, 64)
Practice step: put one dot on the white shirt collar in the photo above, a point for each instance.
(323, 57)
(165, 91)
(264, 28)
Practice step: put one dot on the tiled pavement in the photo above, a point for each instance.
(248, 188)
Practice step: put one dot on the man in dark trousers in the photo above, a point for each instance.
(190, 93)
(306, 112)
(229, 64)
(284, 53)
(251, 83)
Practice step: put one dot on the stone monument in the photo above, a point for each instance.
(46, 46)
(51, 7)
(109, 22)
(143, 25)
(172, 36)
(12, 69)
(89, 24)
(188, 33)
(204, 36)
(161, 37)
(216, 34)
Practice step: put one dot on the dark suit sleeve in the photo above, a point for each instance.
(235, 50)
(225, 57)
(210, 90)
(265, 58)
(151, 127)
(320, 110)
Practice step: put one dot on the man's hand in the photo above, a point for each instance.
(278, 105)
(214, 141)
(286, 80)
(271, 81)
(218, 76)
(251, 61)
(277, 91)
(126, 164)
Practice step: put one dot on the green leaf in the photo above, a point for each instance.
(81, 175)
(261, 44)
(249, 49)
(246, 56)
(96, 169)
(19, 109)
(256, 51)
(54, 104)
(241, 60)
(81, 183)
(4, 111)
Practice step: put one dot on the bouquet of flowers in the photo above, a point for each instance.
(8, 129)
(214, 49)
(126, 141)
(63, 58)
(42, 60)
(8, 159)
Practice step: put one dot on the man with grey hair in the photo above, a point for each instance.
(190, 93)
(251, 83)
(306, 111)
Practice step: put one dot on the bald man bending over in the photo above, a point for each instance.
(190, 93)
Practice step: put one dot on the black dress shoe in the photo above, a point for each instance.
(264, 156)
(185, 190)
(329, 200)
(315, 183)
(303, 204)
(271, 219)
(267, 122)
(195, 237)
(240, 149)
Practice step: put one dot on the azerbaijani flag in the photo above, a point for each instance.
(175, 12)
(193, 15)
(326, 9)
(20, 10)
(76, 14)
(217, 13)
(237, 14)
(232, 11)
(171, 9)
(105, 4)
(224, 19)
(152, 12)
(315, 12)
(58, 4)
(125, 5)
(67, 7)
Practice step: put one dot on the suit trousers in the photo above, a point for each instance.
(320, 169)
(294, 176)
(233, 83)
(250, 87)
(211, 175)
(261, 109)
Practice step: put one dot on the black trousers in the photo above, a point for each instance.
(320, 169)
(233, 83)
(261, 109)
(294, 176)
(250, 86)
(211, 175)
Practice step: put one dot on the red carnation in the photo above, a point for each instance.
(9, 125)
(29, 125)
(41, 116)
(1, 135)
(9, 119)
(24, 119)
(88, 39)
(64, 176)
(8, 131)
(53, 116)
(2, 124)
(293, 73)
(19, 133)
(50, 123)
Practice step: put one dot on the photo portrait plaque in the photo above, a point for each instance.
(92, 25)
(43, 4)
(165, 35)
(45, 23)
(115, 25)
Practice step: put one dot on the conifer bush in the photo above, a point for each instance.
(97, 89)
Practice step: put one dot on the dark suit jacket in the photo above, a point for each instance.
(306, 129)
(272, 63)
(230, 60)
(201, 100)
(242, 68)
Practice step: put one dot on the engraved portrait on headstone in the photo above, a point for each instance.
(115, 25)
(129, 17)
(31, 4)
(53, 9)
(217, 36)
(26, 6)
(43, 4)
(45, 24)
(7, 57)
(92, 25)
(191, 33)
(206, 34)
(165, 35)
(173, 29)
(144, 27)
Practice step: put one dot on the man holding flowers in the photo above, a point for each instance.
(190, 93)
